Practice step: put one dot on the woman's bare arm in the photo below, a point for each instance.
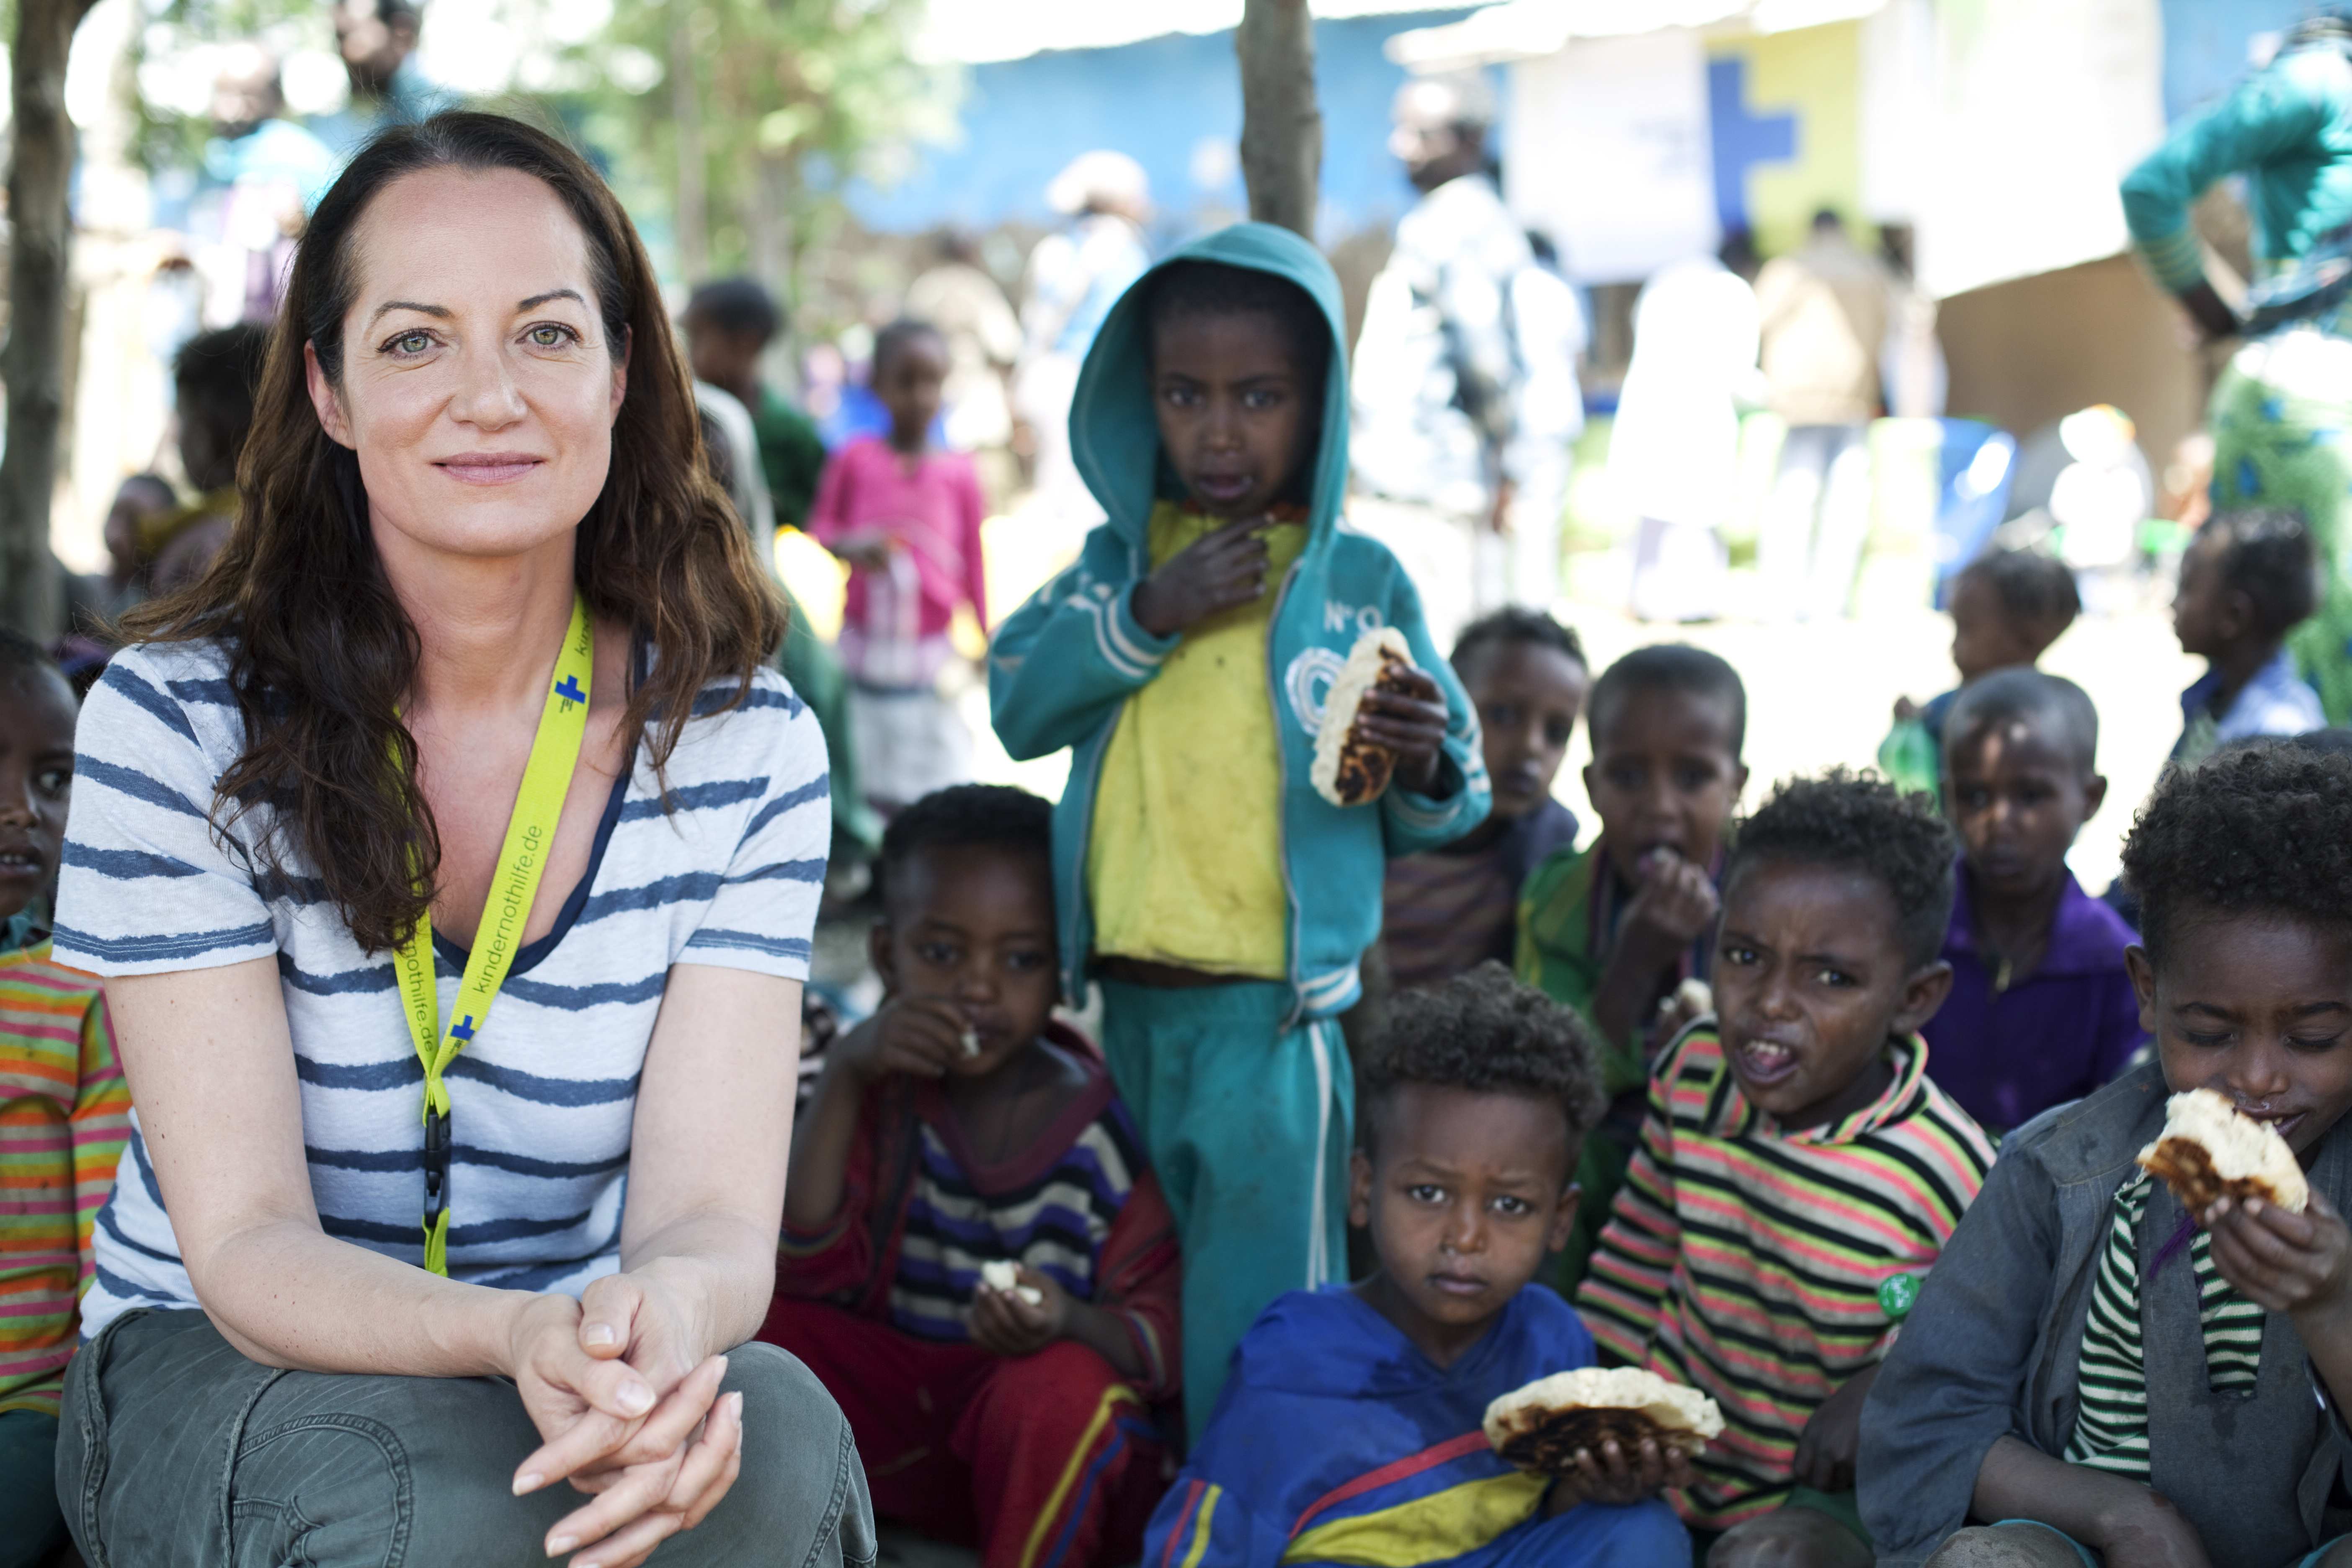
(211, 1066)
(709, 1149)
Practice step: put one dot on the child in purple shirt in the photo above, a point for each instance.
(2041, 1009)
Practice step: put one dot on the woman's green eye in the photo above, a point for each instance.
(550, 337)
(411, 342)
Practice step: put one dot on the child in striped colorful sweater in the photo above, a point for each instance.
(64, 1110)
(1798, 1172)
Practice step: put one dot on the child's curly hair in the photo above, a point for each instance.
(2256, 829)
(1861, 822)
(1485, 1033)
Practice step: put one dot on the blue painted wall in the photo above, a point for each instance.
(1156, 100)
(2205, 44)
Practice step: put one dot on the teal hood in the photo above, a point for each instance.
(1062, 668)
(1114, 435)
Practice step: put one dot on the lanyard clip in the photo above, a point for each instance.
(437, 1164)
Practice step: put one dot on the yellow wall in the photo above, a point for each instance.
(1814, 73)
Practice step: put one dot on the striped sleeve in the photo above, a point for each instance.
(101, 1126)
(1625, 1285)
(148, 885)
(765, 909)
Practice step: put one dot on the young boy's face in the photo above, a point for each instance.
(2206, 617)
(1527, 697)
(1984, 637)
(1664, 774)
(911, 385)
(1810, 982)
(1231, 406)
(1464, 1193)
(2258, 1008)
(720, 357)
(37, 757)
(974, 926)
(2018, 794)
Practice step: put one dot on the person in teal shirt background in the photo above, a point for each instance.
(2282, 413)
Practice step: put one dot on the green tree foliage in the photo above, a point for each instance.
(749, 116)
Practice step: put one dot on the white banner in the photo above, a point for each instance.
(2043, 107)
(1610, 154)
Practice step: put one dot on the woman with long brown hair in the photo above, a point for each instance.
(451, 859)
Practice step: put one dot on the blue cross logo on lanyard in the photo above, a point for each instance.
(462, 1031)
(569, 689)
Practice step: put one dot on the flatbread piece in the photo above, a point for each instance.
(1542, 1426)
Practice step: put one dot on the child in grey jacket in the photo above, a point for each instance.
(2089, 1369)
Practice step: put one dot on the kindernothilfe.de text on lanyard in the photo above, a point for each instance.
(531, 831)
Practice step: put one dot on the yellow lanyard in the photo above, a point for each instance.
(538, 806)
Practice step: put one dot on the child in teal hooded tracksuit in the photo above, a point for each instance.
(1223, 903)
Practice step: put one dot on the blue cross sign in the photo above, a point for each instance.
(569, 689)
(462, 1031)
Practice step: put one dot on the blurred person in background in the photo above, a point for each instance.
(905, 515)
(729, 324)
(262, 174)
(1674, 448)
(1075, 276)
(2282, 412)
(1446, 475)
(983, 337)
(743, 462)
(214, 381)
(1823, 314)
(377, 39)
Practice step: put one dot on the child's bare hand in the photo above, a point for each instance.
(1005, 1325)
(917, 1036)
(1218, 571)
(1673, 898)
(1411, 723)
(2294, 1263)
(1906, 709)
(869, 548)
(1613, 1476)
(1826, 1448)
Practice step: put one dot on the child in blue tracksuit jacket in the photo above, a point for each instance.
(1352, 1428)
(1222, 902)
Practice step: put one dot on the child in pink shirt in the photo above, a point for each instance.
(906, 517)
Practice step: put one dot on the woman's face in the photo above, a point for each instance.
(477, 388)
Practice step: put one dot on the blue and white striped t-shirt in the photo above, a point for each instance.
(542, 1101)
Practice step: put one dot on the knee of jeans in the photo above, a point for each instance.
(1791, 1538)
(338, 1481)
(2006, 1546)
(802, 1493)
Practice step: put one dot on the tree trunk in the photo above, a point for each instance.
(33, 363)
(1281, 128)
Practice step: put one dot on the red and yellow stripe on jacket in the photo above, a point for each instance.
(65, 1114)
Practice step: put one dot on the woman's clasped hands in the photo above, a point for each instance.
(627, 1414)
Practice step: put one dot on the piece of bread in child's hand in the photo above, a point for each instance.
(1006, 1280)
(1348, 771)
(2208, 1150)
(1542, 1426)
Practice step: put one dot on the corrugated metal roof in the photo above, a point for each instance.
(1525, 29)
(978, 31)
